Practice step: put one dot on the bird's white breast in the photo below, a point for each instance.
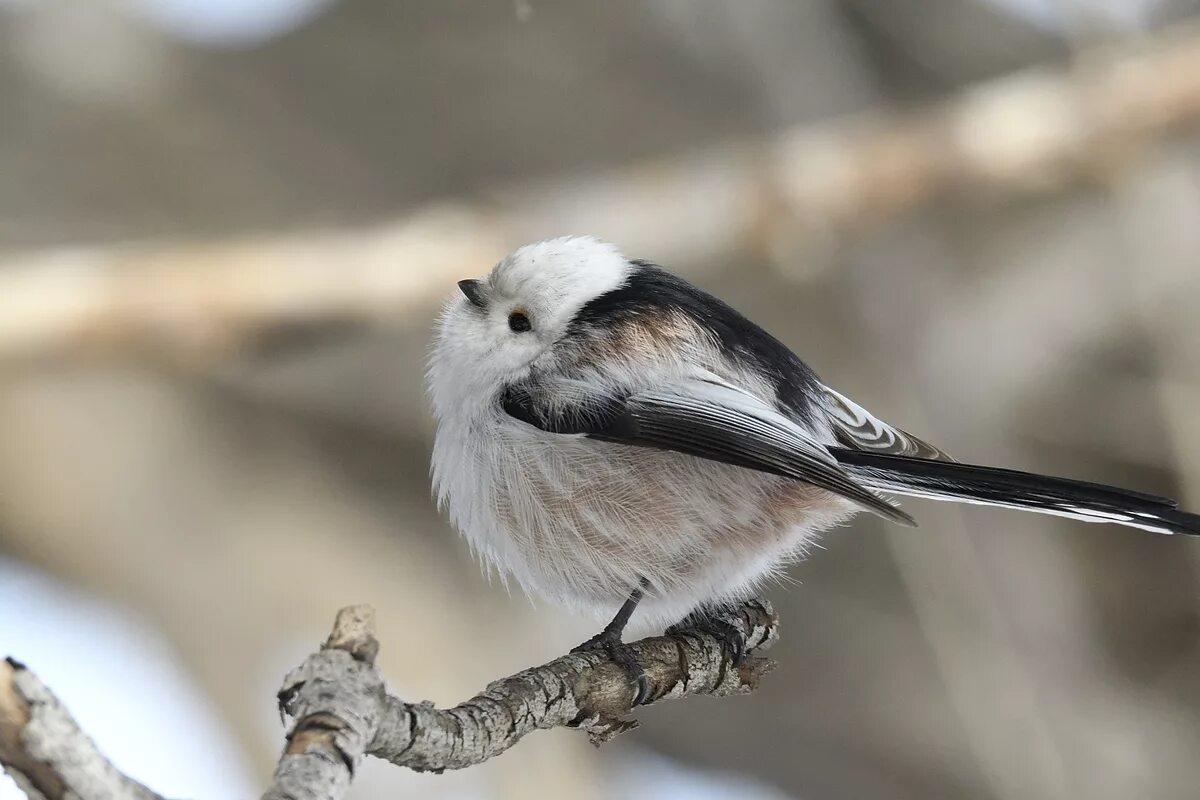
(581, 522)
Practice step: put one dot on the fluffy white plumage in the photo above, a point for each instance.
(580, 521)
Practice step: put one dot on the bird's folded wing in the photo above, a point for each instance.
(859, 429)
(707, 418)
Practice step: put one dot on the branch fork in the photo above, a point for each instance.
(342, 711)
(584, 690)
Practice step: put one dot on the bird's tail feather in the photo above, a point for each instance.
(966, 483)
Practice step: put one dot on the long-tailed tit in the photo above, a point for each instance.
(608, 432)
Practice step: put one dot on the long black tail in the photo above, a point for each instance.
(966, 483)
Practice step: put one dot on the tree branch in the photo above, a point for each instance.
(43, 749)
(342, 711)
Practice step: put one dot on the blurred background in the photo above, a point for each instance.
(225, 230)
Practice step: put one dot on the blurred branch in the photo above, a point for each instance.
(343, 712)
(43, 749)
(1034, 131)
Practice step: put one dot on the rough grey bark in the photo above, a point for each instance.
(343, 712)
(43, 749)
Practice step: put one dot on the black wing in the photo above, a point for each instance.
(704, 418)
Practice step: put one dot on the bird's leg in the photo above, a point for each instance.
(609, 640)
(707, 619)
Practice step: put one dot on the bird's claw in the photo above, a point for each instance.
(730, 636)
(621, 655)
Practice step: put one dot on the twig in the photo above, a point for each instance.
(43, 749)
(342, 711)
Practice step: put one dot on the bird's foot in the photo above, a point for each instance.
(706, 620)
(621, 655)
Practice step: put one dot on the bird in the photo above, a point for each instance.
(610, 437)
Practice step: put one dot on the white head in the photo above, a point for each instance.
(494, 328)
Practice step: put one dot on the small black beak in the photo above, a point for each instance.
(473, 289)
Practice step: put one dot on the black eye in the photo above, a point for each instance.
(518, 322)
